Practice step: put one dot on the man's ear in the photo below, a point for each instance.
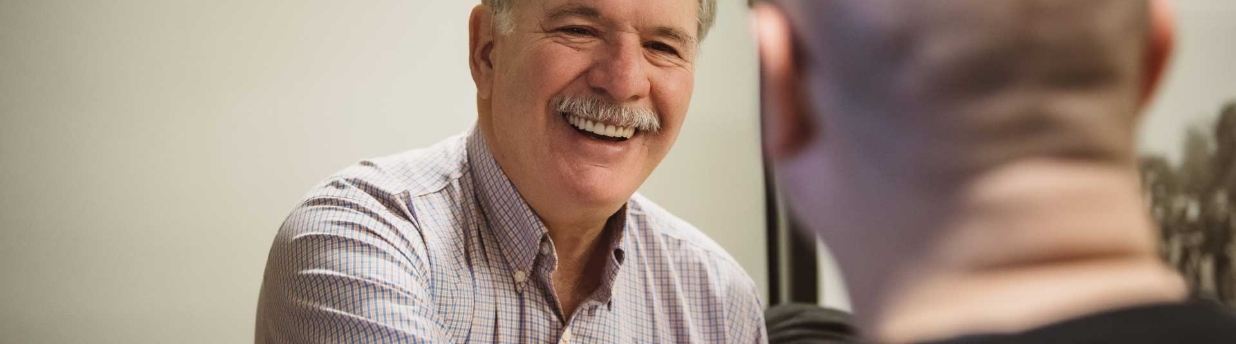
(1159, 44)
(787, 122)
(480, 49)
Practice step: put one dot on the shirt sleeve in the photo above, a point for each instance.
(343, 270)
(745, 312)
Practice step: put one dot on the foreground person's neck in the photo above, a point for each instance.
(1033, 243)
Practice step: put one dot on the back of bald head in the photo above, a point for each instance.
(958, 86)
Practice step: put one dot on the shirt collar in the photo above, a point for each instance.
(518, 229)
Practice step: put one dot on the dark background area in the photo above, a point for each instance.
(1193, 204)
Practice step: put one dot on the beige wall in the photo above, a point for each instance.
(150, 149)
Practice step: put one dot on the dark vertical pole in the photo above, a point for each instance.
(803, 269)
(793, 270)
(772, 231)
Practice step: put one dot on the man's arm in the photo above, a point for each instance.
(744, 313)
(343, 271)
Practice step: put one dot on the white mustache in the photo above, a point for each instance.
(601, 110)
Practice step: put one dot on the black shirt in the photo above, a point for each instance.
(1195, 322)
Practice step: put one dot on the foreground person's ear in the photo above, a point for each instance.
(480, 49)
(788, 126)
(1160, 43)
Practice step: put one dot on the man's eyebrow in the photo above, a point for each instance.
(674, 34)
(574, 10)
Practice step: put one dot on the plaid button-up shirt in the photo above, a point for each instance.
(436, 246)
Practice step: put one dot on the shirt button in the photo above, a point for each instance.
(566, 336)
(545, 248)
(521, 277)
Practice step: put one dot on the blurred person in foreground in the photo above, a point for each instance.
(526, 229)
(972, 165)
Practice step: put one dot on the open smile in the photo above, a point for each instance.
(599, 130)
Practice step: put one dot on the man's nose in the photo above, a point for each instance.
(619, 72)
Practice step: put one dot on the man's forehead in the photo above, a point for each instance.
(669, 17)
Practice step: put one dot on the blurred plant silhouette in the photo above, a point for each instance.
(1193, 205)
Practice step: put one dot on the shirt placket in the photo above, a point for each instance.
(543, 266)
(569, 329)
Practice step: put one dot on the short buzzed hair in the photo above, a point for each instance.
(982, 82)
(502, 10)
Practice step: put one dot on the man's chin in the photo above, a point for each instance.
(595, 186)
(600, 197)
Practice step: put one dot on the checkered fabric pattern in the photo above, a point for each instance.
(436, 246)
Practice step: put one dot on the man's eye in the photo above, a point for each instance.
(661, 47)
(576, 31)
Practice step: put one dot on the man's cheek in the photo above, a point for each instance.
(674, 97)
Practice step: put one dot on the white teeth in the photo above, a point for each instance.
(600, 128)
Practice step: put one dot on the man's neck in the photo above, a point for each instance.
(574, 241)
(580, 249)
(1032, 243)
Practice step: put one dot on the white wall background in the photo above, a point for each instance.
(150, 149)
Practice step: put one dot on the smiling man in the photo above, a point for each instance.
(527, 228)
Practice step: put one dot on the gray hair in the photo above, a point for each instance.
(605, 111)
(503, 24)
